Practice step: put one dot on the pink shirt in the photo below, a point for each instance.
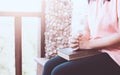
(102, 20)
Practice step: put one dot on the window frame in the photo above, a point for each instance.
(18, 35)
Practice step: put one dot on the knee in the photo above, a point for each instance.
(56, 71)
(48, 68)
(52, 63)
(59, 70)
(48, 64)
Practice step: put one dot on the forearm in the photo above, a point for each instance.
(105, 42)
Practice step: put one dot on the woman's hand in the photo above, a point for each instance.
(74, 41)
(79, 41)
(84, 44)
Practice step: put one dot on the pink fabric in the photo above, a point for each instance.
(102, 20)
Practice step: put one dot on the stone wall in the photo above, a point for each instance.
(58, 25)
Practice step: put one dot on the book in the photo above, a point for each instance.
(69, 54)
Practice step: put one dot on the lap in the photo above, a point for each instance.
(95, 65)
(100, 64)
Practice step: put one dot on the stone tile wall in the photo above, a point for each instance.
(58, 26)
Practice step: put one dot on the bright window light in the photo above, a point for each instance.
(20, 5)
(7, 46)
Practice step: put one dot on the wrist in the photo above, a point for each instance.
(91, 44)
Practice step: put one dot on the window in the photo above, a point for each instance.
(7, 47)
(20, 23)
(30, 38)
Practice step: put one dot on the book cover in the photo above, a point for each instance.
(69, 54)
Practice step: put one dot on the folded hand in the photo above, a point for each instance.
(79, 41)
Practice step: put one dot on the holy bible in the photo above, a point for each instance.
(69, 54)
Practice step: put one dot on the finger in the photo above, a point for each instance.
(76, 36)
(81, 38)
(74, 45)
(80, 34)
(74, 49)
(74, 41)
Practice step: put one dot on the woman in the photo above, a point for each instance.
(102, 33)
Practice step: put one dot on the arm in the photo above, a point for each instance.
(102, 42)
(109, 40)
(105, 42)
